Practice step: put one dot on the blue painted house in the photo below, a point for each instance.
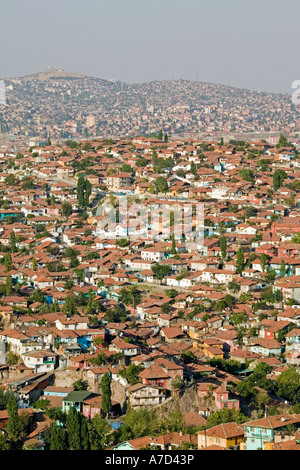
(10, 213)
(262, 433)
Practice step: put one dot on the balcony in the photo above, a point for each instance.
(258, 435)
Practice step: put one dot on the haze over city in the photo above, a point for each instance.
(149, 228)
(242, 44)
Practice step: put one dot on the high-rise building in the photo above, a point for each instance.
(90, 121)
(2, 92)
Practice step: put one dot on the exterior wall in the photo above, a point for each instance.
(257, 436)
(230, 404)
(222, 442)
(145, 398)
(40, 364)
(69, 404)
(160, 382)
(264, 351)
(90, 412)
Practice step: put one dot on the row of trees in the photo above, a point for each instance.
(286, 385)
(18, 424)
(76, 432)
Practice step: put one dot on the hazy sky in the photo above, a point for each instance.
(245, 43)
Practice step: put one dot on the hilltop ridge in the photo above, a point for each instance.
(53, 73)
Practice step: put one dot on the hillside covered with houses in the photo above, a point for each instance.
(150, 295)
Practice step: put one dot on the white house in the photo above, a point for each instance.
(40, 361)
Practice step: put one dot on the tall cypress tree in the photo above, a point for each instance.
(84, 190)
(58, 438)
(73, 429)
(193, 168)
(13, 246)
(8, 286)
(7, 262)
(106, 392)
(99, 433)
(173, 247)
(13, 422)
(80, 190)
(84, 433)
(278, 177)
(69, 307)
(263, 260)
(282, 268)
(240, 258)
(223, 246)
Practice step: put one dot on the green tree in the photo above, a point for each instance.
(193, 169)
(99, 433)
(84, 190)
(282, 268)
(282, 142)
(74, 262)
(80, 384)
(288, 385)
(73, 429)
(117, 314)
(13, 246)
(122, 242)
(247, 174)
(126, 168)
(7, 262)
(13, 428)
(69, 307)
(171, 293)
(278, 177)
(12, 358)
(139, 423)
(250, 212)
(42, 404)
(240, 260)
(161, 184)
(263, 260)
(130, 296)
(223, 246)
(87, 146)
(188, 357)
(225, 416)
(66, 209)
(58, 438)
(4, 444)
(173, 250)
(141, 162)
(106, 392)
(3, 398)
(234, 286)
(84, 433)
(296, 238)
(52, 201)
(161, 270)
(160, 135)
(131, 373)
(11, 180)
(8, 286)
(37, 296)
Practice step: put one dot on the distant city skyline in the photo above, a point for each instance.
(249, 45)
